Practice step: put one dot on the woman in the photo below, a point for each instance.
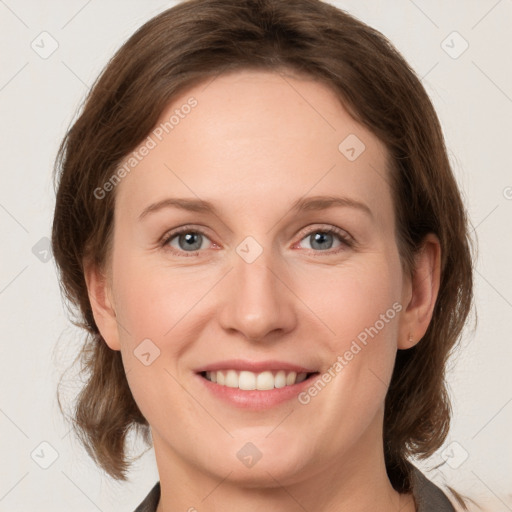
(221, 147)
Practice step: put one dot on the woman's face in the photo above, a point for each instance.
(257, 282)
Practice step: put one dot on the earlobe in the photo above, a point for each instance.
(103, 308)
(423, 289)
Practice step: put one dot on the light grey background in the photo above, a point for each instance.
(38, 99)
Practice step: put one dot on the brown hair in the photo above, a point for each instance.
(193, 42)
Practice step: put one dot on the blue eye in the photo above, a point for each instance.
(321, 241)
(188, 241)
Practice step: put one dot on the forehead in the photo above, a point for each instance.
(253, 138)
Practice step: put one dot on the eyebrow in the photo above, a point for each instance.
(314, 203)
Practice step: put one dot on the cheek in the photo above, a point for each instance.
(151, 300)
(349, 311)
(361, 309)
(351, 302)
(355, 299)
(159, 309)
(152, 306)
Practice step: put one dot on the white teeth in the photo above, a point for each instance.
(231, 379)
(290, 378)
(246, 380)
(280, 379)
(265, 380)
(249, 380)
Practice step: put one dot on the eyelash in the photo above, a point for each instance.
(346, 241)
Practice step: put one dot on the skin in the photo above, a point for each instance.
(255, 143)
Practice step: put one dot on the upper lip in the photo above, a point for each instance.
(253, 366)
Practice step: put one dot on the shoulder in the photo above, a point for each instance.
(428, 497)
(150, 502)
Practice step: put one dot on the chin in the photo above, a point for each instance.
(259, 461)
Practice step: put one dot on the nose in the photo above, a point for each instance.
(257, 300)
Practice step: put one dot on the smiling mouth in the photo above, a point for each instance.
(262, 381)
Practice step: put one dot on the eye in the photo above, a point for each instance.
(322, 240)
(188, 241)
(185, 240)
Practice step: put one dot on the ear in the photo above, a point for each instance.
(420, 292)
(102, 304)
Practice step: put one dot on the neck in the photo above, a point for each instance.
(355, 481)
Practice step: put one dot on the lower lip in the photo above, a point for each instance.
(256, 399)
